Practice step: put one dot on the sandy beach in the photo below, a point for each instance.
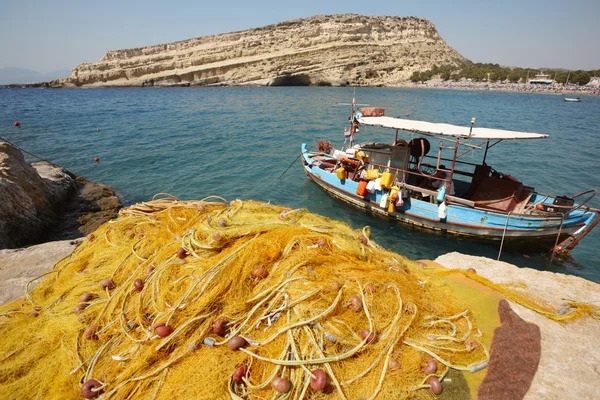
(558, 89)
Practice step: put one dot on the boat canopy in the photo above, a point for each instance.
(461, 132)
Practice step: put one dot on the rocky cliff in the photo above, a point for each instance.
(42, 201)
(344, 49)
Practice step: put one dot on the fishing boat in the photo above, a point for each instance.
(573, 99)
(401, 181)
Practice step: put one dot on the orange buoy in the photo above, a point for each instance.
(540, 206)
(97, 159)
(17, 123)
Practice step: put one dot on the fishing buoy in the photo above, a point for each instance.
(369, 289)
(260, 273)
(107, 284)
(240, 372)
(355, 304)
(394, 365)
(181, 253)
(138, 285)
(431, 367)
(442, 213)
(87, 297)
(540, 207)
(17, 123)
(220, 327)
(367, 335)
(80, 307)
(441, 193)
(90, 332)
(97, 159)
(236, 342)
(163, 330)
(318, 380)
(436, 385)
(321, 242)
(282, 385)
(86, 389)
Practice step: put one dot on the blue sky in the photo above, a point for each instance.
(48, 35)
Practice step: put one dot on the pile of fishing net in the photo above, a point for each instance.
(213, 299)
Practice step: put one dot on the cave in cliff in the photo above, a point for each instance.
(291, 80)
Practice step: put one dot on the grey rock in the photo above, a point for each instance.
(26, 208)
(44, 202)
(19, 266)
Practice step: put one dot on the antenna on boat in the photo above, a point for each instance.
(473, 120)
(352, 116)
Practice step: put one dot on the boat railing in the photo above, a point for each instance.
(592, 192)
(456, 171)
(425, 191)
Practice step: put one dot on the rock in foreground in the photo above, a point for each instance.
(42, 201)
(570, 361)
(19, 266)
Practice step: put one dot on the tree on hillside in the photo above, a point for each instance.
(514, 75)
(499, 75)
(415, 77)
(561, 76)
(425, 76)
(580, 77)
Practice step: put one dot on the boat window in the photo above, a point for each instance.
(379, 157)
(399, 159)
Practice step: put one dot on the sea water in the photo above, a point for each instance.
(236, 142)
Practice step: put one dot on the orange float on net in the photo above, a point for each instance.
(97, 159)
(17, 123)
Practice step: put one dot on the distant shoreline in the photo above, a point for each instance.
(504, 87)
(471, 86)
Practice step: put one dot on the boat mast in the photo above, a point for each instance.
(568, 75)
(353, 119)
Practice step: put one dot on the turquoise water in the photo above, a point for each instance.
(235, 142)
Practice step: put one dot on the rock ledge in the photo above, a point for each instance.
(569, 367)
(42, 202)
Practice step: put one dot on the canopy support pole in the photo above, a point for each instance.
(487, 146)
(503, 235)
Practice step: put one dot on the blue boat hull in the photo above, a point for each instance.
(462, 221)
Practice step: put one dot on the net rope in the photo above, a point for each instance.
(151, 304)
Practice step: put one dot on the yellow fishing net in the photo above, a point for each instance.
(213, 299)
